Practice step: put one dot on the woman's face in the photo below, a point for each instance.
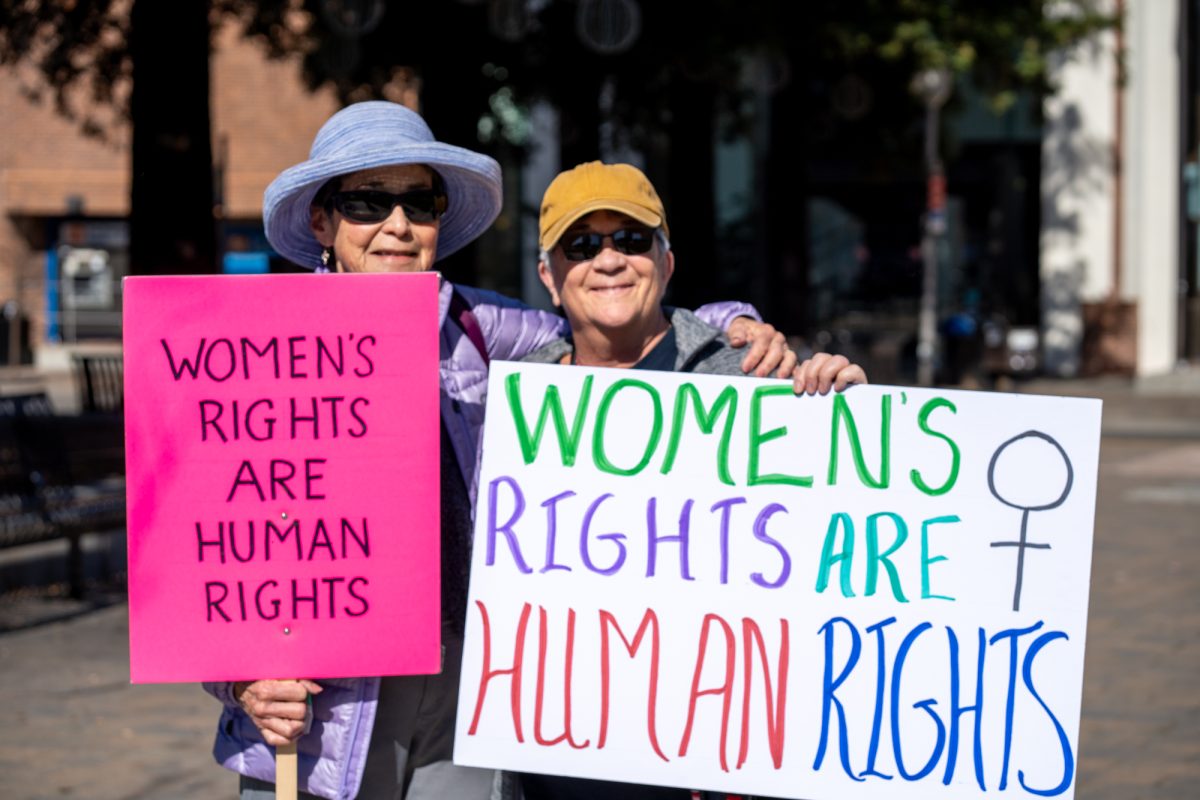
(397, 244)
(612, 291)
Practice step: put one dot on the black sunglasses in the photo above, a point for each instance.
(369, 205)
(629, 241)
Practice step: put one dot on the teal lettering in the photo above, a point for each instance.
(926, 592)
(875, 558)
(829, 558)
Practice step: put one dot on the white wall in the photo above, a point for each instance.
(1078, 211)
(1077, 245)
(1151, 252)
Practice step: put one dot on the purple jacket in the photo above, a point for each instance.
(332, 756)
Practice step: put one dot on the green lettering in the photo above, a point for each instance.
(759, 438)
(923, 422)
(926, 592)
(841, 411)
(598, 454)
(829, 558)
(568, 441)
(707, 420)
(875, 558)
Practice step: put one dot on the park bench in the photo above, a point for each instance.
(60, 477)
(101, 381)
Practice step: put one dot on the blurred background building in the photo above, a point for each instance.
(65, 191)
(791, 157)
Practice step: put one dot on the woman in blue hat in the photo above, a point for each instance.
(380, 194)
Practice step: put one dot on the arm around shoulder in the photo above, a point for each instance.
(510, 328)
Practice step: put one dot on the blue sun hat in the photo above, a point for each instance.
(380, 134)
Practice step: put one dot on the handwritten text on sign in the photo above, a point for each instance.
(282, 442)
(710, 583)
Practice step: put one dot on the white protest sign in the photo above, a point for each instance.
(711, 583)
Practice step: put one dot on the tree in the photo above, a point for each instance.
(172, 228)
(147, 61)
(664, 87)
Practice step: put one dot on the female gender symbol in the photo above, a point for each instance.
(1022, 544)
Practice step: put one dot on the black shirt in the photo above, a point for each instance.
(662, 357)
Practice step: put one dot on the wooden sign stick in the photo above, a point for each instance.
(286, 782)
(285, 772)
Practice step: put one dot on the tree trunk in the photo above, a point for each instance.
(172, 228)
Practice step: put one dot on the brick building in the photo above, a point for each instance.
(64, 195)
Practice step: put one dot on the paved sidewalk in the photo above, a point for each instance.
(1140, 733)
(1166, 406)
(75, 727)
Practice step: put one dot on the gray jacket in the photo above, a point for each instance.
(702, 348)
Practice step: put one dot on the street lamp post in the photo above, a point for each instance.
(932, 87)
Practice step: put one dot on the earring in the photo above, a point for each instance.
(325, 254)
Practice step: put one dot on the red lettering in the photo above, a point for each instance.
(775, 711)
(541, 683)
(725, 689)
(488, 673)
(649, 620)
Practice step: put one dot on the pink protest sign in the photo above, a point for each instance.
(282, 454)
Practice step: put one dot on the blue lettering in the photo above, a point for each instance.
(924, 705)
(957, 710)
(828, 700)
(1063, 741)
(877, 721)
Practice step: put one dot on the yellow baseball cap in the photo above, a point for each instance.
(596, 186)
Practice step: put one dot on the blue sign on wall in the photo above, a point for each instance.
(246, 264)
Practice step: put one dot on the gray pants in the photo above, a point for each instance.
(412, 742)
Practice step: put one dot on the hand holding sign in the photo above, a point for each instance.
(823, 372)
(279, 709)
